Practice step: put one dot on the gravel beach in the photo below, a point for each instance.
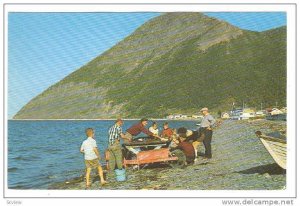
(240, 162)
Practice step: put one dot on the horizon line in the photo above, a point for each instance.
(82, 119)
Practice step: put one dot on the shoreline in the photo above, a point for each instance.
(158, 119)
(240, 162)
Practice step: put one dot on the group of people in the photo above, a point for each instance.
(182, 139)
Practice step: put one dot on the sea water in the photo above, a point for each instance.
(41, 153)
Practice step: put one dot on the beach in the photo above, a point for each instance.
(240, 162)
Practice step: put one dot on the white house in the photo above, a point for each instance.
(225, 115)
(276, 111)
(194, 116)
(260, 113)
(247, 113)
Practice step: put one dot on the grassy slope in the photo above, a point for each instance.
(195, 63)
(250, 68)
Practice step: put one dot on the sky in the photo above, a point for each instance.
(43, 48)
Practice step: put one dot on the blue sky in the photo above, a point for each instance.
(43, 48)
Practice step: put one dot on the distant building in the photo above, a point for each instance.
(283, 109)
(177, 116)
(239, 114)
(225, 115)
(268, 110)
(276, 114)
(236, 113)
(276, 111)
(260, 113)
(170, 116)
(247, 113)
(194, 116)
(183, 116)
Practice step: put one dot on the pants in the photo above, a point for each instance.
(128, 135)
(116, 158)
(207, 141)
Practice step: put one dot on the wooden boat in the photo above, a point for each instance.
(144, 151)
(275, 146)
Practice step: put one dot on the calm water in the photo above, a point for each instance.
(43, 152)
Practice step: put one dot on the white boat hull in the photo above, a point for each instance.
(276, 147)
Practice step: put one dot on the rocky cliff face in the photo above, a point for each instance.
(176, 62)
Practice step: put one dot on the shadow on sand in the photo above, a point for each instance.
(272, 169)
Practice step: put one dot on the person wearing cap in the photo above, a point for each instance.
(136, 129)
(206, 127)
(114, 146)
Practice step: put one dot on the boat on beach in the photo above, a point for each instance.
(275, 146)
(143, 151)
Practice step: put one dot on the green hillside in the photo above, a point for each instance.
(175, 63)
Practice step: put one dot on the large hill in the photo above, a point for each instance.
(174, 63)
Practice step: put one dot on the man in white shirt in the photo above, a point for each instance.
(206, 127)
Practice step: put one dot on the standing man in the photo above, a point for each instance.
(136, 129)
(114, 146)
(206, 127)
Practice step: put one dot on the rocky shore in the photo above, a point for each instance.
(240, 162)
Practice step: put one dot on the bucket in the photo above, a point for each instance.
(120, 175)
